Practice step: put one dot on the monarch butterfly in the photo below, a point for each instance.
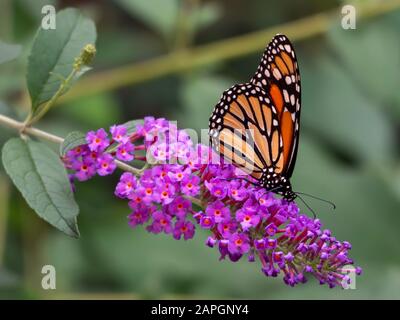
(256, 125)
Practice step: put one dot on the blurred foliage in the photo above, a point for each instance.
(349, 150)
(8, 51)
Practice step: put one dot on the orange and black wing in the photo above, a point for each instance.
(244, 129)
(278, 74)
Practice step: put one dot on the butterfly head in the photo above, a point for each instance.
(280, 185)
(285, 190)
(289, 195)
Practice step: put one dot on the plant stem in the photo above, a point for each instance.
(222, 50)
(20, 126)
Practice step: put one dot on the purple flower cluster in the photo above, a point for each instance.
(248, 220)
(179, 190)
(161, 195)
(98, 155)
(91, 158)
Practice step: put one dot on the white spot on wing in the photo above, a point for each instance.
(277, 74)
(292, 100)
(286, 95)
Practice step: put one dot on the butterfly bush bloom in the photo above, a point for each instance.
(180, 190)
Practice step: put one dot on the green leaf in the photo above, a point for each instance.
(39, 175)
(9, 52)
(53, 54)
(73, 140)
(161, 15)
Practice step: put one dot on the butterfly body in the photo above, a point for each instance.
(256, 125)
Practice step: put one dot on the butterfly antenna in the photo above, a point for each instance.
(305, 203)
(317, 198)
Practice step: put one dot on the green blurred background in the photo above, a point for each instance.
(349, 148)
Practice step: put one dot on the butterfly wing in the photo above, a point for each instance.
(244, 129)
(279, 75)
